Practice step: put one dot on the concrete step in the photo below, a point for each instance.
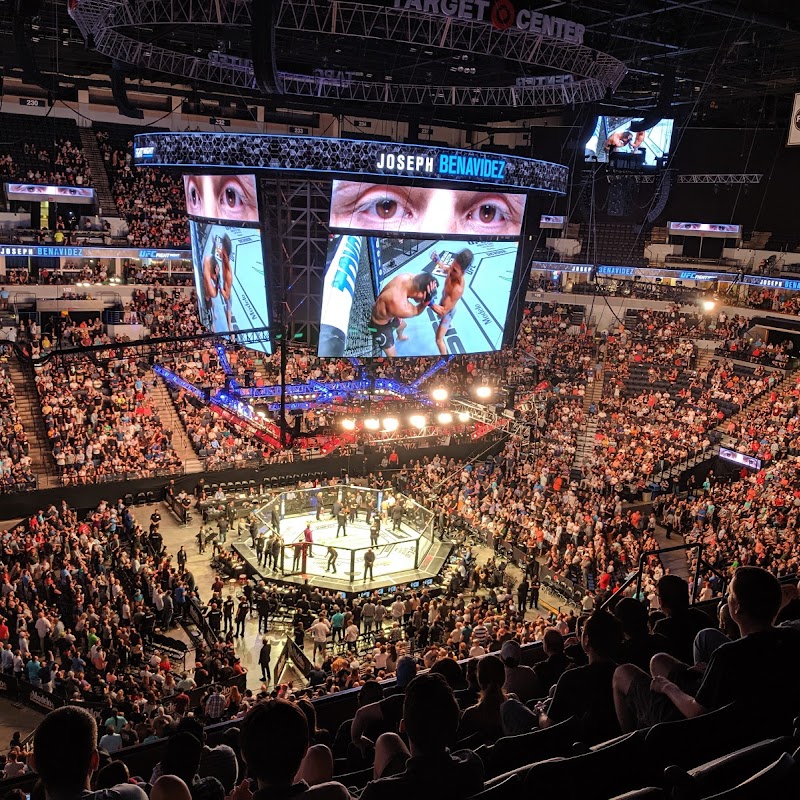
(162, 400)
(30, 414)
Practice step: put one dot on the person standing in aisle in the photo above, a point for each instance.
(227, 614)
(522, 594)
(535, 586)
(241, 616)
(264, 656)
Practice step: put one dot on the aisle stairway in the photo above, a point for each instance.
(100, 180)
(30, 414)
(171, 421)
(585, 444)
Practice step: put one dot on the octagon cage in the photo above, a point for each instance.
(345, 522)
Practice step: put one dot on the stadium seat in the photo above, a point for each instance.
(778, 781)
(648, 793)
(620, 766)
(688, 743)
(356, 780)
(511, 752)
(725, 772)
(505, 789)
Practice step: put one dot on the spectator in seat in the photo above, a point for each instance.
(182, 759)
(520, 680)
(430, 720)
(383, 716)
(65, 756)
(584, 692)
(760, 668)
(549, 671)
(273, 740)
(638, 645)
(483, 718)
(682, 623)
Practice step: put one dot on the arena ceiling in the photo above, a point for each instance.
(722, 62)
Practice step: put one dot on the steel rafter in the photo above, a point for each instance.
(108, 22)
(723, 179)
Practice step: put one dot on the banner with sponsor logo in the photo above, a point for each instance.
(57, 251)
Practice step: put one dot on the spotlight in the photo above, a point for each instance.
(708, 305)
(391, 424)
(418, 421)
(445, 418)
(463, 416)
(371, 424)
(349, 424)
(440, 394)
(483, 392)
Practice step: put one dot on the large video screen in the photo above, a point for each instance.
(79, 195)
(613, 135)
(228, 255)
(424, 211)
(389, 296)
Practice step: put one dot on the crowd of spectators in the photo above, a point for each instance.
(101, 422)
(157, 273)
(84, 601)
(61, 164)
(150, 201)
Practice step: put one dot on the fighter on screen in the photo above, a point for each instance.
(624, 139)
(218, 275)
(451, 294)
(393, 307)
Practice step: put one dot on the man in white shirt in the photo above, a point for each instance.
(351, 636)
(319, 631)
(111, 742)
(397, 610)
(43, 628)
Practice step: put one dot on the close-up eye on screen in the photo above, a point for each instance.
(228, 198)
(384, 208)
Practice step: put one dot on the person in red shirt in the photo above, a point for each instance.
(4, 632)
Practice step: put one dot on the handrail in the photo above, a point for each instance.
(638, 575)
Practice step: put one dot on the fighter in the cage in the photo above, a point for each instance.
(451, 294)
(622, 139)
(218, 276)
(394, 306)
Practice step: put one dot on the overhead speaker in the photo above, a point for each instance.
(666, 94)
(264, 18)
(120, 93)
(660, 204)
(23, 11)
(621, 195)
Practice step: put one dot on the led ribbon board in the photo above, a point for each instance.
(325, 156)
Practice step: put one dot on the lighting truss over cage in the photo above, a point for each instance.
(594, 73)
